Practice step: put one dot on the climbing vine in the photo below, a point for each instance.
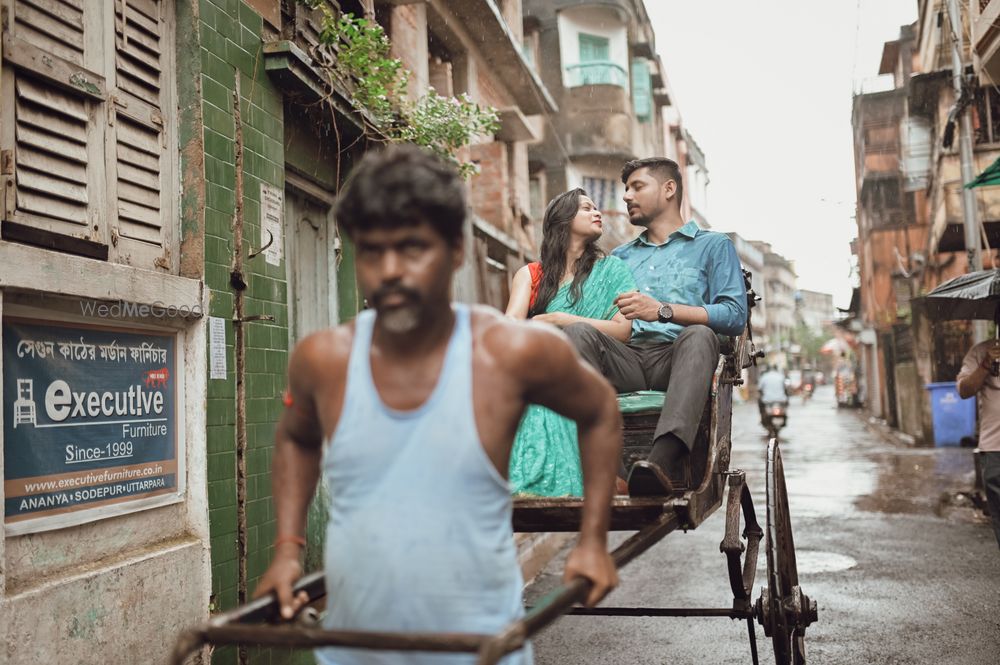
(356, 55)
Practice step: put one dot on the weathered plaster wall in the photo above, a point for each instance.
(129, 610)
(118, 590)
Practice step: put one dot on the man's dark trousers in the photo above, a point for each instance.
(682, 368)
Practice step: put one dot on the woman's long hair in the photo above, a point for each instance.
(555, 241)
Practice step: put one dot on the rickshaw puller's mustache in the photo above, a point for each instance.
(380, 295)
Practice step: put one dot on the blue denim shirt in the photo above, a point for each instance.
(693, 267)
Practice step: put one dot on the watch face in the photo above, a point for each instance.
(666, 313)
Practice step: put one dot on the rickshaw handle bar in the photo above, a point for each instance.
(239, 626)
(562, 600)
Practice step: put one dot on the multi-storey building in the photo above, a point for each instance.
(602, 69)
(892, 168)
(910, 212)
(169, 169)
(779, 295)
(696, 181)
(752, 260)
(814, 310)
(986, 40)
(478, 47)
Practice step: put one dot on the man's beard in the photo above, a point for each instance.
(640, 220)
(400, 320)
(397, 319)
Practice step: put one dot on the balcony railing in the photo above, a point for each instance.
(597, 73)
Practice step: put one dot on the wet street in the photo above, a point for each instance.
(903, 573)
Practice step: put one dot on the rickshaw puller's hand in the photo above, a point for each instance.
(594, 563)
(284, 571)
(634, 305)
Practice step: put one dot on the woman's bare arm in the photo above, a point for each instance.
(618, 326)
(520, 294)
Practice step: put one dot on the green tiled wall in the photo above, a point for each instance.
(229, 42)
(231, 38)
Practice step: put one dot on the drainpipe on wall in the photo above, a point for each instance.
(972, 240)
(238, 282)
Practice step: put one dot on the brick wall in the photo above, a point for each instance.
(408, 32)
(489, 190)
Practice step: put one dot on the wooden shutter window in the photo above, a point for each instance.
(50, 156)
(141, 162)
(89, 149)
(138, 49)
(55, 26)
(138, 154)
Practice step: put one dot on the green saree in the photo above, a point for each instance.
(545, 460)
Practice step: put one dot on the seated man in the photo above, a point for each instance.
(772, 389)
(690, 288)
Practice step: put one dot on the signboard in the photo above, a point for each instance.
(90, 424)
(272, 205)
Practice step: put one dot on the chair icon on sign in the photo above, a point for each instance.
(24, 405)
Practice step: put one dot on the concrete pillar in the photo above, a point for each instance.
(409, 44)
(440, 77)
(464, 75)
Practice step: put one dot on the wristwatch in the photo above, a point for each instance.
(665, 314)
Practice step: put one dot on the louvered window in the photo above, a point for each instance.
(89, 156)
(140, 156)
(642, 90)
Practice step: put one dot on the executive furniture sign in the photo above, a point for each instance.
(90, 423)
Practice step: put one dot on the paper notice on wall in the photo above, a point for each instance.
(272, 206)
(217, 347)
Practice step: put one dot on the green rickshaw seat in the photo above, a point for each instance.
(641, 401)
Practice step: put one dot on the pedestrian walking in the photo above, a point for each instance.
(980, 376)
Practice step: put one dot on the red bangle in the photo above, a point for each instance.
(289, 538)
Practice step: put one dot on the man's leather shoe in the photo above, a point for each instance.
(648, 479)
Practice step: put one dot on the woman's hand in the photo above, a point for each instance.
(560, 319)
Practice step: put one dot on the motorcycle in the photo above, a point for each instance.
(807, 392)
(774, 417)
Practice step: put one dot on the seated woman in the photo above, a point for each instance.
(573, 282)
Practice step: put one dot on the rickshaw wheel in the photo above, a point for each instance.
(783, 610)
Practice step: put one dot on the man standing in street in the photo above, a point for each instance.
(411, 411)
(691, 288)
(979, 377)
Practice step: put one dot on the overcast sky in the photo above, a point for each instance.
(765, 89)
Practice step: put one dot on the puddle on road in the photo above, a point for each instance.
(810, 562)
(918, 481)
(835, 466)
(814, 562)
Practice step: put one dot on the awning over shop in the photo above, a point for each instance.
(990, 176)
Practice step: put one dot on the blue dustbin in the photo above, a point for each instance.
(953, 416)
